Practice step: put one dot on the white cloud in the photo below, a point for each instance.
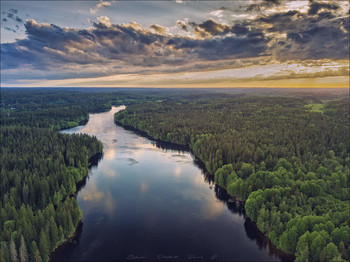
(99, 5)
(217, 13)
(104, 20)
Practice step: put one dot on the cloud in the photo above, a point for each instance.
(11, 14)
(105, 21)
(227, 47)
(13, 11)
(99, 5)
(212, 27)
(48, 45)
(158, 29)
(301, 36)
(10, 29)
(262, 5)
(316, 6)
(217, 13)
(290, 74)
(106, 49)
(182, 25)
(240, 29)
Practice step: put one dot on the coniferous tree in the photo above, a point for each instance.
(44, 245)
(23, 253)
(37, 257)
(2, 259)
(13, 251)
(53, 232)
(33, 249)
(5, 251)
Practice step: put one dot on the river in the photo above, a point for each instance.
(143, 202)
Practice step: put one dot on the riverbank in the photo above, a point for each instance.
(161, 193)
(74, 234)
(166, 144)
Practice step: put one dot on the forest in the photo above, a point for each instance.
(39, 172)
(285, 155)
(40, 168)
(286, 158)
(60, 108)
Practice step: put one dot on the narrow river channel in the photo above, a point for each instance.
(142, 202)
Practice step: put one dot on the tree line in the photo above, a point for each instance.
(59, 109)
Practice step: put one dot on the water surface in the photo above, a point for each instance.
(146, 203)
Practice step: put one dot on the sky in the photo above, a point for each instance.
(257, 43)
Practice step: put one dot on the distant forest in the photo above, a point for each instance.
(285, 154)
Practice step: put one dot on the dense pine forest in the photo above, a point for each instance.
(284, 154)
(41, 167)
(286, 158)
(39, 172)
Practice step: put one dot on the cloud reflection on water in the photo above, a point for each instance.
(98, 198)
(177, 171)
(111, 173)
(109, 153)
(144, 187)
